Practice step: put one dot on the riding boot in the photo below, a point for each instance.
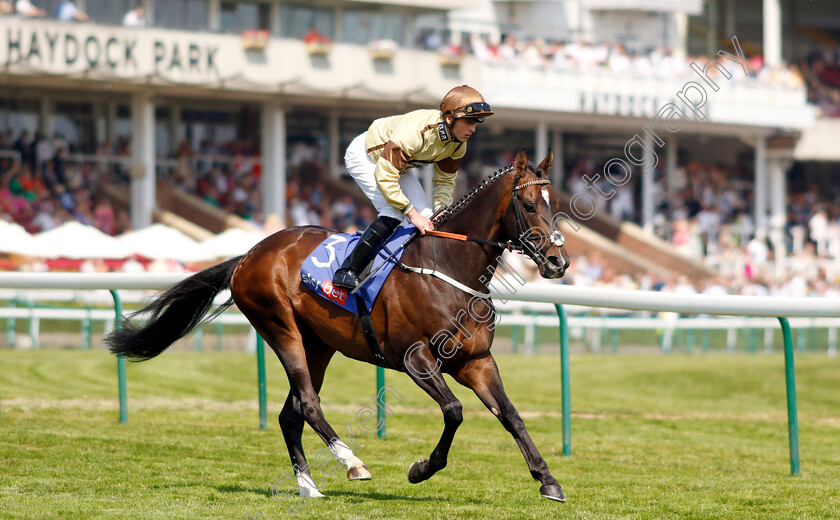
(366, 248)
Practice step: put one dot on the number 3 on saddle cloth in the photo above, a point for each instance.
(319, 267)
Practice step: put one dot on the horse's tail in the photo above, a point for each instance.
(173, 314)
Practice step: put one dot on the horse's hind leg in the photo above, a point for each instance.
(305, 370)
(291, 423)
(423, 364)
(482, 376)
(318, 356)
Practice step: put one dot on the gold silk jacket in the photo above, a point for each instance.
(398, 143)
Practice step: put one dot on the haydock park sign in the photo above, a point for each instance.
(58, 48)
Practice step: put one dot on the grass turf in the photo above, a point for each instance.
(653, 437)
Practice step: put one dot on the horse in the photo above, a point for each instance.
(426, 326)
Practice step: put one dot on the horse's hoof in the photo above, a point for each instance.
(309, 492)
(359, 473)
(415, 471)
(553, 492)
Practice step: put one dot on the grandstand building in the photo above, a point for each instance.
(274, 74)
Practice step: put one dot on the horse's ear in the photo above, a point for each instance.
(545, 165)
(521, 160)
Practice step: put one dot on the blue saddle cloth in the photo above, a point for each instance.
(319, 267)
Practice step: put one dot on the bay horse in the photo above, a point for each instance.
(421, 321)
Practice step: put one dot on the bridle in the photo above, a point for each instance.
(518, 246)
(556, 237)
(522, 230)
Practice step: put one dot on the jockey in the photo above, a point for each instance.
(380, 161)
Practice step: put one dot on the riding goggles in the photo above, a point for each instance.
(475, 111)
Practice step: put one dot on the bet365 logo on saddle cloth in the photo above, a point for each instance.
(336, 294)
(319, 267)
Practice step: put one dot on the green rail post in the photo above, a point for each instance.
(218, 335)
(790, 385)
(534, 332)
(704, 340)
(261, 382)
(800, 339)
(514, 333)
(86, 327)
(380, 402)
(199, 338)
(752, 340)
(121, 376)
(690, 340)
(566, 385)
(33, 321)
(10, 327)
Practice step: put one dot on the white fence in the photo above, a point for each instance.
(531, 311)
(546, 293)
(553, 294)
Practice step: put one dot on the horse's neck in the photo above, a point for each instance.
(482, 218)
(469, 262)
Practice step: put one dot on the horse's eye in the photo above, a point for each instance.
(530, 207)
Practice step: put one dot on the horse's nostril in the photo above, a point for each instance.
(556, 262)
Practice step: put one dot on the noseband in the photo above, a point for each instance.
(522, 230)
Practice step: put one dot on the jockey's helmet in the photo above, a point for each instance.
(465, 101)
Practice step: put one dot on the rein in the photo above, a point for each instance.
(556, 238)
(464, 238)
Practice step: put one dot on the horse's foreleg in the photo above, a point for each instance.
(482, 376)
(291, 423)
(423, 364)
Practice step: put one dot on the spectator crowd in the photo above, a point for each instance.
(705, 211)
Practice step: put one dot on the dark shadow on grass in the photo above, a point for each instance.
(356, 496)
(240, 489)
(352, 496)
(220, 489)
(173, 486)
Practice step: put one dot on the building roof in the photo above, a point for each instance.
(444, 5)
(694, 7)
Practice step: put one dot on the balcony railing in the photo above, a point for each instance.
(739, 100)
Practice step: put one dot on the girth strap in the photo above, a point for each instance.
(370, 333)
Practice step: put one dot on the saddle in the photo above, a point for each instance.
(319, 267)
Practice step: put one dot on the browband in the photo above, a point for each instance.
(526, 184)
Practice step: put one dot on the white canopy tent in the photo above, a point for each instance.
(160, 242)
(232, 242)
(15, 240)
(77, 241)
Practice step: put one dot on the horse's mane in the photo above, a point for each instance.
(463, 201)
(456, 207)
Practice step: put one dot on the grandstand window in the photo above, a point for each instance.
(199, 124)
(181, 14)
(240, 16)
(300, 20)
(48, 6)
(76, 122)
(123, 126)
(365, 25)
(109, 11)
(163, 137)
(19, 114)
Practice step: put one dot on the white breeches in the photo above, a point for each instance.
(361, 168)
